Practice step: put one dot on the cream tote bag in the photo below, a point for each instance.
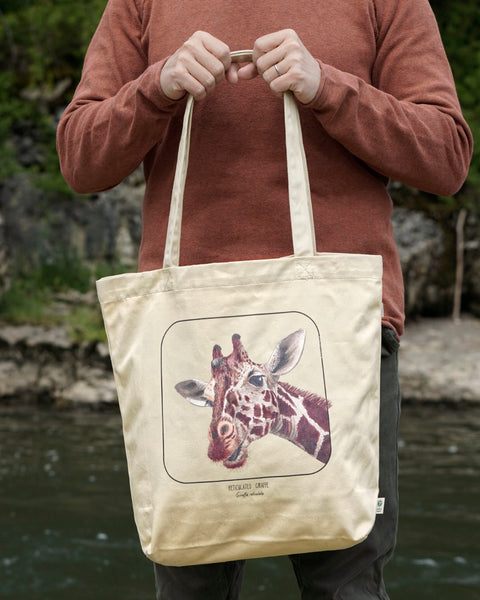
(249, 391)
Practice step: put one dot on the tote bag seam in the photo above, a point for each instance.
(260, 542)
(237, 284)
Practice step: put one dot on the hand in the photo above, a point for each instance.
(196, 67)
(298, 71)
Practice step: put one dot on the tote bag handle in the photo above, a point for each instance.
(301, 215)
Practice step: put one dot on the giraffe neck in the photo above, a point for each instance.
(303, 420)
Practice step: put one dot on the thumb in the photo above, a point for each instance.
(231, 74)
(247, 71)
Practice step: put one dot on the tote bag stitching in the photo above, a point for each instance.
(123, 295)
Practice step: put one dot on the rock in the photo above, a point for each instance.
(420, 243)
(439, 361)
(472, 264)
(33, 335)
(4, 262)
(43, 364)
(94, 390)
(18, 380)
(52, 377)
(41, 228)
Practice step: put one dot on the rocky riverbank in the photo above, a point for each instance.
(42, 365)
(439, 363)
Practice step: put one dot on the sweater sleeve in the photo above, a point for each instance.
(118, 112)
(407, 124)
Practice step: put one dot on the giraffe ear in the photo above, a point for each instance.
(287, 354)
(192, 390)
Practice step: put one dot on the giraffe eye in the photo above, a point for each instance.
(256, 380)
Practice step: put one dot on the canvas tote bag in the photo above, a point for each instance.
(249, 391)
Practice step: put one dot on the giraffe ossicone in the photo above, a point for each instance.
(248, 402)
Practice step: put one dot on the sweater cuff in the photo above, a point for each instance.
(317, 102)
(154, 89)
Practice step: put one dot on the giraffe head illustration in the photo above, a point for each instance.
(248, 401)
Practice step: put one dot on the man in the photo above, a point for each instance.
(377, 101)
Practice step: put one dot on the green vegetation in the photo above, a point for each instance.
(37, 296)
(459, 22)
(21, 304)
(42, 46)
(65, 271)
(43, 296)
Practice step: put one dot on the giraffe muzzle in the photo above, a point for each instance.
(225, 444)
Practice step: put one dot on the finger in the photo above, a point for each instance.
(200, 63)
(198, 80)
(267, 61)
(269, 42)
(215, 48)
(276, 71)
(192, 86)
(304, 83)
(248, 71)
(205, 59)
(280, 84)
(206, 71)
(271, 49)
(190, 77)
(231, 74)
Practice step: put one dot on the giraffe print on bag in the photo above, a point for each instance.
(248, 401)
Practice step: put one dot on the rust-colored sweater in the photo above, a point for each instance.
(386, 108)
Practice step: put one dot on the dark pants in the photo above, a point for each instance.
(351, 574)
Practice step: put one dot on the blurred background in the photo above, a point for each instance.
(66, 528)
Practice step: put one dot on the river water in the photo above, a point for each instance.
(66, 528)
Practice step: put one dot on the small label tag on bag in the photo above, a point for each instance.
(380, 505)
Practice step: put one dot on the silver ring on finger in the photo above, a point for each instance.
(275, 66)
